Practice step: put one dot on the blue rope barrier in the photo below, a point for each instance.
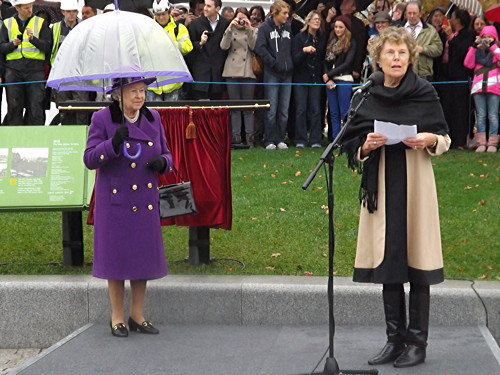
(262, 83)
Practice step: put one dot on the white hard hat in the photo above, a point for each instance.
(160, 6)
(23, 2)
(69, 5)
(109, 8)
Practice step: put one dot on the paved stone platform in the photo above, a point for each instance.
(256, 350)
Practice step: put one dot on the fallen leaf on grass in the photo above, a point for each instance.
(298, 173)
(320, 188)
(270, 268)
(265, 166)
(467, 187)
(230, 269)
(247, 178)
(324, 207)
(254, 218)
(489, 267)
(485, 165)
(282, 209)
(275, 255)
(484, 276)
(471, 174)
(283, 182)
(273, 175)
(320, 230)
(483, 175)
(307, 273)
(481, 202)
(240, 158)
(325, 255)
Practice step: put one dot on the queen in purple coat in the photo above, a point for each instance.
(128, 242)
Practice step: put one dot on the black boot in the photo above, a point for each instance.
(395, 319)
(418, 329)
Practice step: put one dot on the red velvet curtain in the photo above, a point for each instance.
(204, 160)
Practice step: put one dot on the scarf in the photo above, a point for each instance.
(333, 49)
(484, 57)
(414, 101)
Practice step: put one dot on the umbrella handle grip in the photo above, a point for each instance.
(131, 157)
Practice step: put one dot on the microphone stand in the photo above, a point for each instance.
(331, 365)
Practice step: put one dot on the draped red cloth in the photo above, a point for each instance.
(204, 160)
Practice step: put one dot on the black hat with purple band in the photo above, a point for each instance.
(122, 82)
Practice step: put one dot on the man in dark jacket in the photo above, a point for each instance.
(456, 95)
(274, 46)
(25, 40)
(206, 60)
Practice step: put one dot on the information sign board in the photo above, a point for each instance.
(41, 167)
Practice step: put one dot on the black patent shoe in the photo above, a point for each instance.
(413, 355)
(389, 353)
(119, 330)
(144, 327)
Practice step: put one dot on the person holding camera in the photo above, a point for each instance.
(239, 39)
(484, 58)
(206, 60)
(25, 40)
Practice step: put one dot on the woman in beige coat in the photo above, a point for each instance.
(399, 238)
(239, 38)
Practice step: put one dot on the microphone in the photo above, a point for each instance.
(376, 78)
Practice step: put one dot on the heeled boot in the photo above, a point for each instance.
(418, 328)
(395, 319)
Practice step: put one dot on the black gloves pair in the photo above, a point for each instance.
(120, 136)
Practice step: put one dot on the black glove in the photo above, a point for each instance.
(157, 164)
(121, 135)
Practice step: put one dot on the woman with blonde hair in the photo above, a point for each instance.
(399, 238)
(308, 51)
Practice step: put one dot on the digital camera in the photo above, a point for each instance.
(241, 22)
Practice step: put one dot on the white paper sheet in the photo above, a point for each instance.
(395, 133)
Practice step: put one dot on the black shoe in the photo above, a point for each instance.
(411, 356)
(119, 330)
(389, 353)
(145, 327)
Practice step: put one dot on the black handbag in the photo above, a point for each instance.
(176, 199)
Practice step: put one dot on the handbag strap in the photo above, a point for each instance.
(173, 168)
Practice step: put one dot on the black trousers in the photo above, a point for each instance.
(28, 96)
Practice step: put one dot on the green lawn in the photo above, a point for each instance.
(279, 229)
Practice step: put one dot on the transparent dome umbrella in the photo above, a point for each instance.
(116, 44)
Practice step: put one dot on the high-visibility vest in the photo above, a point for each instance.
(56, 34)
(25, 49)
(180, 36)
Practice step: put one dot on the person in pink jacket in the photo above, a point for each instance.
(484, 58)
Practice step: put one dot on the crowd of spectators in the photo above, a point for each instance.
(310, 62)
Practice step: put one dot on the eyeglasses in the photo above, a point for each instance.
(391, 54)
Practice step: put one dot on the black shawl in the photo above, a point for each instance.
(413, 102)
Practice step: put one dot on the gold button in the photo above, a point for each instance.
(101, 157)
(132, 165)
(150, 207)
(134, 187)
(150, 185)
(127, 145)
(115, 191)
(134, 208)
(150, 144)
